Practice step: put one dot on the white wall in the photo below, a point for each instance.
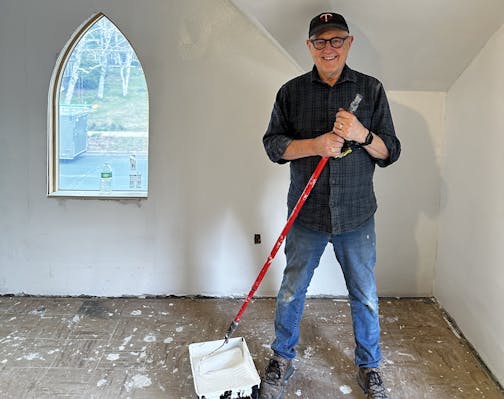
(409, 196)
(212, 79)
(470, 273)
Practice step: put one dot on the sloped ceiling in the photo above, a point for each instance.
(408, 45)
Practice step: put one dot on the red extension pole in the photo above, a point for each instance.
(304, 195)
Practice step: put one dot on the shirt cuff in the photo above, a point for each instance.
(275, 148)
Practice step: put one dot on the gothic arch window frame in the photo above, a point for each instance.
(53, 128)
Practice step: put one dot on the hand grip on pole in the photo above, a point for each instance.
(352, 108)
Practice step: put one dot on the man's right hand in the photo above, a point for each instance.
(325, 145)
(328, 145)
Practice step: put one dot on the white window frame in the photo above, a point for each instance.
(53, 128)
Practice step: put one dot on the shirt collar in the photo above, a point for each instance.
(347, 75)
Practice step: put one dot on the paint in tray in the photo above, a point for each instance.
(226, 373)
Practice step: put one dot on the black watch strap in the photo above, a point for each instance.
(369, 139)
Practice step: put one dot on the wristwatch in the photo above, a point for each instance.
(369, 139)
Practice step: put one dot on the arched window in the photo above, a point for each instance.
(98, 116)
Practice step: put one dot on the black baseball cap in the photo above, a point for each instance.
(327, 20)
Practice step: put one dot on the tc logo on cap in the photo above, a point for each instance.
(326, 17)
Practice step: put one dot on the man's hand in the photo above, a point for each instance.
(348, 127)
(328, 145)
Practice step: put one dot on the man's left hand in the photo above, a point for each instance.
(349, 127)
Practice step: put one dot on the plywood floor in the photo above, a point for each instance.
(138, 348)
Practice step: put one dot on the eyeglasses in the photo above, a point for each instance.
(336, 42)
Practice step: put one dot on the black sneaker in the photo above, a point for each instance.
(277, 373)
(372, 384)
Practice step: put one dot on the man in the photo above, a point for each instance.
(310, 119)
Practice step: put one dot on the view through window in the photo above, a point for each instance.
(102, 117)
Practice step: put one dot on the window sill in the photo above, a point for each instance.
(115, 195)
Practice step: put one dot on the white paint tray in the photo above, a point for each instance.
(228, 373)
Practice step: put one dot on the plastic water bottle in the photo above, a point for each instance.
(106, 179)
(135, 176)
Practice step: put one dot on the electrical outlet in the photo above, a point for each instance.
(257, 238)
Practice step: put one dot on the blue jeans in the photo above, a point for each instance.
(356, 253)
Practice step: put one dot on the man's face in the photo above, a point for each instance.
(329, 60)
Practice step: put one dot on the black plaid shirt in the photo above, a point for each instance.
(306, 107)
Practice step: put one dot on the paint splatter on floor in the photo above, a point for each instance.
(345, 389)
(308, 352)
(126, 341)
(31, 356)
(101, 382)
(138, 381)
(150, 338)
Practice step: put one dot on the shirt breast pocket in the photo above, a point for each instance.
(364, 115)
